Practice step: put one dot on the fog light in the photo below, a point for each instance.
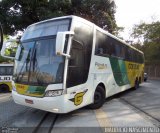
(56, 110)
(53, 93)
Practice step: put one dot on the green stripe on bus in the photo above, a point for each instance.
(39, 90)
(119, 71)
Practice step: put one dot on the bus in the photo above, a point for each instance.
(66, 63)
(6, 72)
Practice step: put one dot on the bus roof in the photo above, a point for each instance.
(76, 17)
(48, 20)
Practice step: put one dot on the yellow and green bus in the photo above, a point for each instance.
(65, 63)
(6, 72)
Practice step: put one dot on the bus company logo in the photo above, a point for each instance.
(133, 66)
(5, 78)
(101, 66)
(78, 98)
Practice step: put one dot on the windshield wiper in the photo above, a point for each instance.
(25, 63)
(35, 66)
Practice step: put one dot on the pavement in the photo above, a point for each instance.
(133, 108)
(5, 97)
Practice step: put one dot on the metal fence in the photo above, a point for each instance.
(153, 71)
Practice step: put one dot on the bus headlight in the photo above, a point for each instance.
(53, 93)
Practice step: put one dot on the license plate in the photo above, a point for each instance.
(29, 101)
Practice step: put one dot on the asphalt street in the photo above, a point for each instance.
(132, 108)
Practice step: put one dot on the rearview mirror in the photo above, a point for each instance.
(60, 42)
(1, 37)
(9, 49)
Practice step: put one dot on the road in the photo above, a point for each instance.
(133, 108)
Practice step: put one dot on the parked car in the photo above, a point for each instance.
(145, 77)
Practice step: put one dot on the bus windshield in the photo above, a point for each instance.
(37, 64)
(6, 70)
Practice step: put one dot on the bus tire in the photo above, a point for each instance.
(4, 88)
(140, 80)
(99, 98)
(136, 86)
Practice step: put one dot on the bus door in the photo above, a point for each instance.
(76, 75)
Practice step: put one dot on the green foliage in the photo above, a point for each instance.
(4, 60)
(151, 40)
(117, 32)
(18, 14)
(149, 32)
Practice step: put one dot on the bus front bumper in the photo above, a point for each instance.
(50, 104)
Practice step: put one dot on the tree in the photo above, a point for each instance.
(118, 31)
(2, 59)
(150, 34)
(16, 15)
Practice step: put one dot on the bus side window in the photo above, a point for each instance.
(130, 53)
(102, 44)
(112, 47)
(123, 52)
(141, 58)
(118, 50)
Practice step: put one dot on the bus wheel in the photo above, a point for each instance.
(99, 98)
(4, 88)
(136, 86)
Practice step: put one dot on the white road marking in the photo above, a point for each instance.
(122, 115)
(102, 118)
(5, 97)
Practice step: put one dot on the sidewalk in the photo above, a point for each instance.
(114, 114)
